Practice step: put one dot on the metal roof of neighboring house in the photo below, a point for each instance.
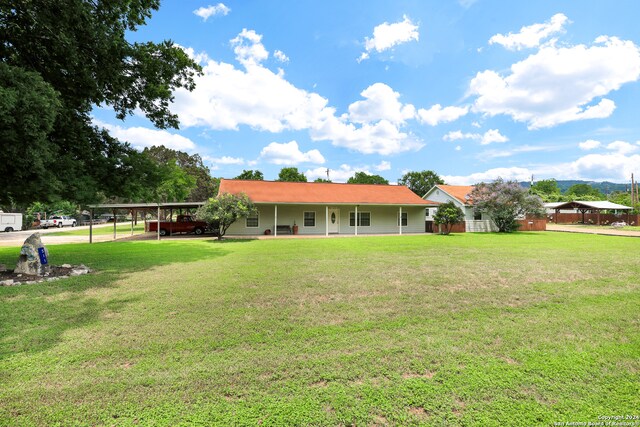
(462, 193)
(598, 205)
(553, 205)
(323, 193)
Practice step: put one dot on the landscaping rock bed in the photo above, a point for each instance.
(10, 278)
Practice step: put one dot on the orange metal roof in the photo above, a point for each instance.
(460, 192)
(323, 193)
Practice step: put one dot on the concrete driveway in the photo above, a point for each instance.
(17, 238)
(604, 230)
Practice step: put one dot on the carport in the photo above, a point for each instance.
(585, 206)
(134, 208)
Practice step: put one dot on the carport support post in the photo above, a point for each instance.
(275, 219)
(133, 214)
(326, 220)
(115, 222)
(158, 222)
(356, 220)
(556, 218)
(598, 216)
(91, 227)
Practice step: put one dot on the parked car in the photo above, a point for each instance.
(10, 222)
(58, 221)
(183, 224)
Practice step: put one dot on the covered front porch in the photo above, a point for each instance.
(330, 219)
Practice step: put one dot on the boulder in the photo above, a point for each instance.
(34, 257)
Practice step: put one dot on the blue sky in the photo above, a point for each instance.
(470, 89)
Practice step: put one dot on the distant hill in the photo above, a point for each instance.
(605, 186)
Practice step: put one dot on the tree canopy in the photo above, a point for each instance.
(251, 175)
(191, 171)
(67, 56)
(224, 210)
(584, 192)
(420, 182)
(504, 202)
(547, 189)
(448, 213)
(291, 175)
(364, 178)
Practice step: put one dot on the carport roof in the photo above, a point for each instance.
(597, 205)
(170, 205)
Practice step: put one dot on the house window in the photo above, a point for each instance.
(364, 219)
(405, 219)
(309, 219)
(252, 221)
(477, 215)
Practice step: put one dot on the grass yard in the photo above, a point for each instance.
(121, 230)
(475, 329)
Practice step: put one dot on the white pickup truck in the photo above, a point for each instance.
(58, 221)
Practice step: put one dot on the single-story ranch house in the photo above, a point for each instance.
(473, 221)
(461, 196)
(328, 208)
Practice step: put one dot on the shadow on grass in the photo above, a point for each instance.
(34, 317)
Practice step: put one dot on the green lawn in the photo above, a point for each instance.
(476, 329)
(121, 230)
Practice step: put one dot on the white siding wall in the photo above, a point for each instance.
(383, 220)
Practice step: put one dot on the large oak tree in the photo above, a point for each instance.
(66, 57)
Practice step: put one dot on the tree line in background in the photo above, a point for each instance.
(549, 191)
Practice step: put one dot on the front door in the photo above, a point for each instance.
(334, 220)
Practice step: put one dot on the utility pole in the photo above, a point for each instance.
(328, 179)
(633, 198)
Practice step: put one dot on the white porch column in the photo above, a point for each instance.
(400, 220)
(356, 222)
(158, 221)
(326, 221)
(275, 219)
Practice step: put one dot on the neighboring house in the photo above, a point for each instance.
(461, 196)
(328, 208)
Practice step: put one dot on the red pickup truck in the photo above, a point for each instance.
(183, 224)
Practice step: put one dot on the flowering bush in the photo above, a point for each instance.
(504, 202)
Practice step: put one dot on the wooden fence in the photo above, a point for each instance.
(592, 218)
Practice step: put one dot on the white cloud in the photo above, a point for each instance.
(381, 103)
(228, 97)
(280, 56)
(458, 148)
(382, 137)
(209, 11)
(383, 166)
(494, 154)
(623, 147)
(559, 85)
(225, 160)
(600, 167)
(436, 114)
(492, 135)
(589, 144)
(386, 36)
(289, 153)
(248, 48)
(532, 35)
(455, 135)
(513, 173)
(140, 137)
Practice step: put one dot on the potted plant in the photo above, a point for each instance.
(295, 227)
